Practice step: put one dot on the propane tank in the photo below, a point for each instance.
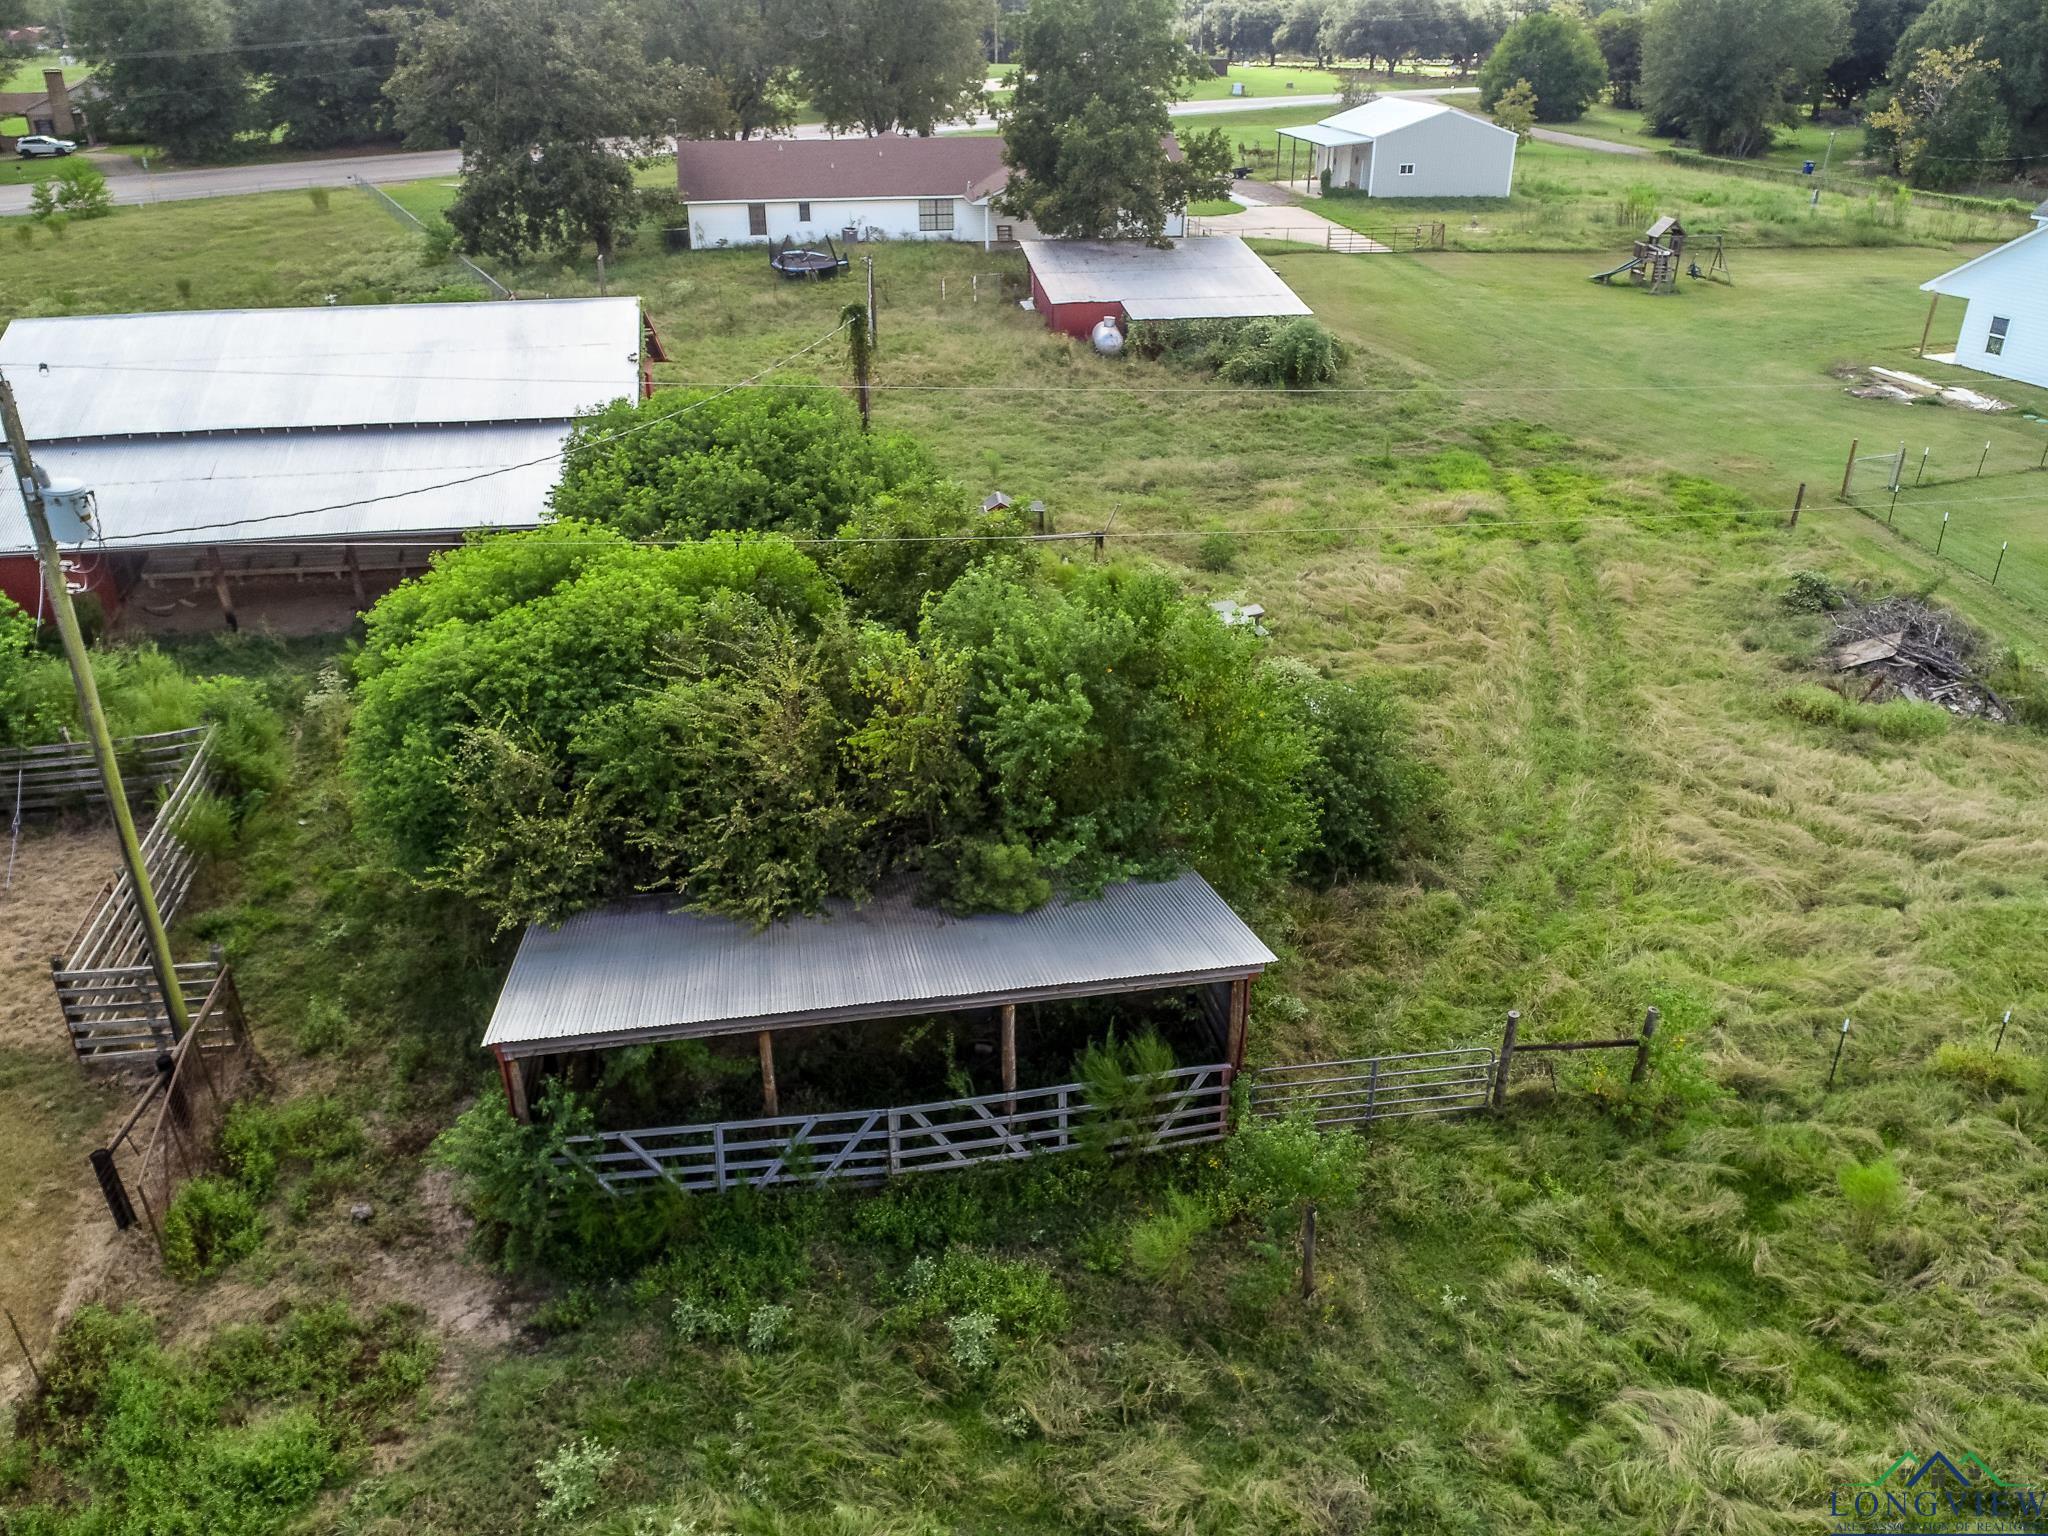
(1106, 338)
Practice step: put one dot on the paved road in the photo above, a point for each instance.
(1580, 141)
(136, 186)
(128, 184)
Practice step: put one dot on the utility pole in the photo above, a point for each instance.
(89, 713)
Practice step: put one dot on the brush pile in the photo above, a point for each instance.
(1907, 648)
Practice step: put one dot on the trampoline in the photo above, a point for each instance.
(798, 262)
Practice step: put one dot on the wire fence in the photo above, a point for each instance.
(1968, 511)
(406, 216)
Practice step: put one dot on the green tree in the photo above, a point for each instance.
(883, 65)
(1087, 129)
(1301, 30)
(791, 460)
(1372, 799)
(323, 85)
(906, 545)
(1945, 124)
(2015, 32)
(1875, 27)
(550, 104)
(1557, 54)
(743, 46)
(1515, 110)
(1722, 71)
(169, 71)
(1620, 35)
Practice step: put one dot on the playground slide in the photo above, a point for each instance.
(1627, 266)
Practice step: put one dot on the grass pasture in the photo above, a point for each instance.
(1548, 513)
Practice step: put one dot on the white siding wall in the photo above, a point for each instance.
(1453, 155)
(2024, 305)
(886, 218)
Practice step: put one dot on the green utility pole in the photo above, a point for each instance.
(89, 712)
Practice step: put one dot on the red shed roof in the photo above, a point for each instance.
(767, 170)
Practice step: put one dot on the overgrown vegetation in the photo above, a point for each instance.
(1270, 352)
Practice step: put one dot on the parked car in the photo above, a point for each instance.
(39, 145)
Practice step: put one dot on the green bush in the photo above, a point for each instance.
(206, 826)
(1023, 1296)
(315, 1132)
(1874, 1193)
(1813, 592)
(1217, 550)
(1162, 1245)
(212, 1223)
(1374, 799)
(1291, 354)
(1274, 1167)
(574, 1479)
(1985, 1070)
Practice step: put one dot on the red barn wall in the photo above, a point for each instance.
(21, 578)
(1076, 320)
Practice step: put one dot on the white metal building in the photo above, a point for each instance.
(225, 447)
(2005, 313)
(1395, 147)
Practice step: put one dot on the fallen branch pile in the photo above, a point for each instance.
(1909, 649)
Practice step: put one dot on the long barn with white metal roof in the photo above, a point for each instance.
(330, 449)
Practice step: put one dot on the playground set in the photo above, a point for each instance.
(1655, 262)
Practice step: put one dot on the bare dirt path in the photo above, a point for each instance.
(53, 1227)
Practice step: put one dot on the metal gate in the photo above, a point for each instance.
(1367, 1088)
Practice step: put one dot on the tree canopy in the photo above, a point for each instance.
(1875, 27)
(883, 65)
(1722, 71)
(2013, 32)
(1620, 36)
(169, 69)
(1087, 127)
(1557, 54)
(1944, 124)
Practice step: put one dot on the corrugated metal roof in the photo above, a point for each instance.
(1325, 135)
(87, 376)
(152, 491)
(1204, 277)
(1374, 119)
(637, 971)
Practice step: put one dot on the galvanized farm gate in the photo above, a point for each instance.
(113, 1008)
(1358, 1091)
(169, 1134)
(65, 773)
(1186, 1106)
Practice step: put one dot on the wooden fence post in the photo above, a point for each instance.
(1642, 1065)
(770, 1102)
(1308, 1250)
(1507, 1052)
(1798, 501)
(1009, 1057)
(116, 1193)
(1849, 469)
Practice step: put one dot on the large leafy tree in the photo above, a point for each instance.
(1945, 125)
(1722, 71)
(2015, 33)
(550, 104)
(1087, 129)
(1620, 35)
(882, 65)
(322, 65)
(1557, 54)
(170, 71)
(742, 45)
(1875, 27)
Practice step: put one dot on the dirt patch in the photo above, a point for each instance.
(54, 1231)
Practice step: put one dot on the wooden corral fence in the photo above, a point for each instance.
(169, 1134)
(1357, 1092)
(1188, 1105)
(1511, 1047)
(105, 985)
(64, 774)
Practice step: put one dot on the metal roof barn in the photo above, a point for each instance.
(268, 432)
(637, 972)
(1212, 277)
(272, 370)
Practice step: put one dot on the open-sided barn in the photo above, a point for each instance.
(1077, 283)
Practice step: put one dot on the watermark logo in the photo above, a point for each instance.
(1939, 1495)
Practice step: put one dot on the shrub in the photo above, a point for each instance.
(1294, 353)
(573, 1478)
(81, 190)
(319, 198)
(315, 1131)
(973, 1347)
(1874, 1194)
(1372, 798)
(1813, 592)
(1274, 1167)
(206, 826)
(767, 1328)
(1557, 55)
(212, 1223)
(1162, 1244)
(1122, 1079)
(1024, 1297)
(1217, 550)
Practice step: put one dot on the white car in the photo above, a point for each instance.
(37, 145)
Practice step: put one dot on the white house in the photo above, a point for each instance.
(761, 191)
(1395, 147)
(2005, 314)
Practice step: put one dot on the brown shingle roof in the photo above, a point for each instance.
(771, 170)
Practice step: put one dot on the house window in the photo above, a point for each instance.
(803, 213)
(1408, 169)
(935, 215)
(1005, 233)
(757, 218)
(1994, 344)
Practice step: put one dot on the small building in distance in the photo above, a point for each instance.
(2005, 308)
(1397, 147)
(296, 463)
(57, 110)
(765, 191)
(1077, 283)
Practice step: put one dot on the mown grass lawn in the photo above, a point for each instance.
(1547, 512)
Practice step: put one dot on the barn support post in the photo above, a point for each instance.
(1642, 1066)
(220, 588)
(771, 1105)
(1933, 303)
(512, 1073)
(1009, 1056)
(1240, 1021)
(355, 576)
